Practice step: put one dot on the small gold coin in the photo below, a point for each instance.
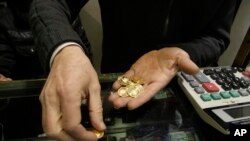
(123, 92)
(139, 87)
(138, 81)
(134, 90)
(124, 80)
(99, 134)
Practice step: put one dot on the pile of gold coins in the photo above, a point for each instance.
(129, 88)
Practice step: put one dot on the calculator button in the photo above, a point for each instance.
(246, 73)
(199, 90)
(243, 92)
(248, 90)
(234, 94)
(228, 80)
(205, 97)
(215, 76)
(247, 79)
(210, 87)
(220, 81)
(201, 77)
(226, 87)
(187, 77)
(222, 75)
(243, 84)
(227, 70)
(208, 71)
(235, 86)
(231, 75)
(225, 95)
(215, 96)
(194, 84)
(217, 70)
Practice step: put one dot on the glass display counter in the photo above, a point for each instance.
(167, 117)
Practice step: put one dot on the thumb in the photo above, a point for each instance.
(187, 65)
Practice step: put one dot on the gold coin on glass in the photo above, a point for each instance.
(99, 134)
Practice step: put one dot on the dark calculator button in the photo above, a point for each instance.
(235, 85)
(243, 84)
(222, 75)
(215, 76)
(231, 75)
(220, 81)
(217, 70)
(226, 87)
(208, 71)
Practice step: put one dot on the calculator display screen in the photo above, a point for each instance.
(238, 112)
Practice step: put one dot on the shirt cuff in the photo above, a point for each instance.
(59, 48)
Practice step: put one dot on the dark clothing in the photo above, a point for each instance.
(132, 28)
(18, 58)
(19, 117)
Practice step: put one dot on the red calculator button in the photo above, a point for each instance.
(210, 87)
(246, 73)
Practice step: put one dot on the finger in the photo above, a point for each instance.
(129, 74)
(113, 96)
(51, 116)
(61, 136)
(95, 107)
(187, 65)
(71, 117)
(3, 78)
(50, 111)
(148, 92)
(118, 101)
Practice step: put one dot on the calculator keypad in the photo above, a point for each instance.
(219, 84)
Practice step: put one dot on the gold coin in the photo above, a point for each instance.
(99, 134)
(134, 90)
(133, 93)
(138, 81)
(124, 80)
(122, 91)
(138, 87)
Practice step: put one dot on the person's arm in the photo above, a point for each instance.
(214, 40)
(51, 25)
(71, 79)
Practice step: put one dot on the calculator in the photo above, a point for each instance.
(220, 95)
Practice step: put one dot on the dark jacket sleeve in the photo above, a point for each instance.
(208, 46)
(7, 56)
(51, 24)
(7, 53)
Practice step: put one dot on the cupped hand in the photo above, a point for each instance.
(155, 69)
(72, 79)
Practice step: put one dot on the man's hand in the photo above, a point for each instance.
(72, 79)
(155, 69)
(4, 78)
